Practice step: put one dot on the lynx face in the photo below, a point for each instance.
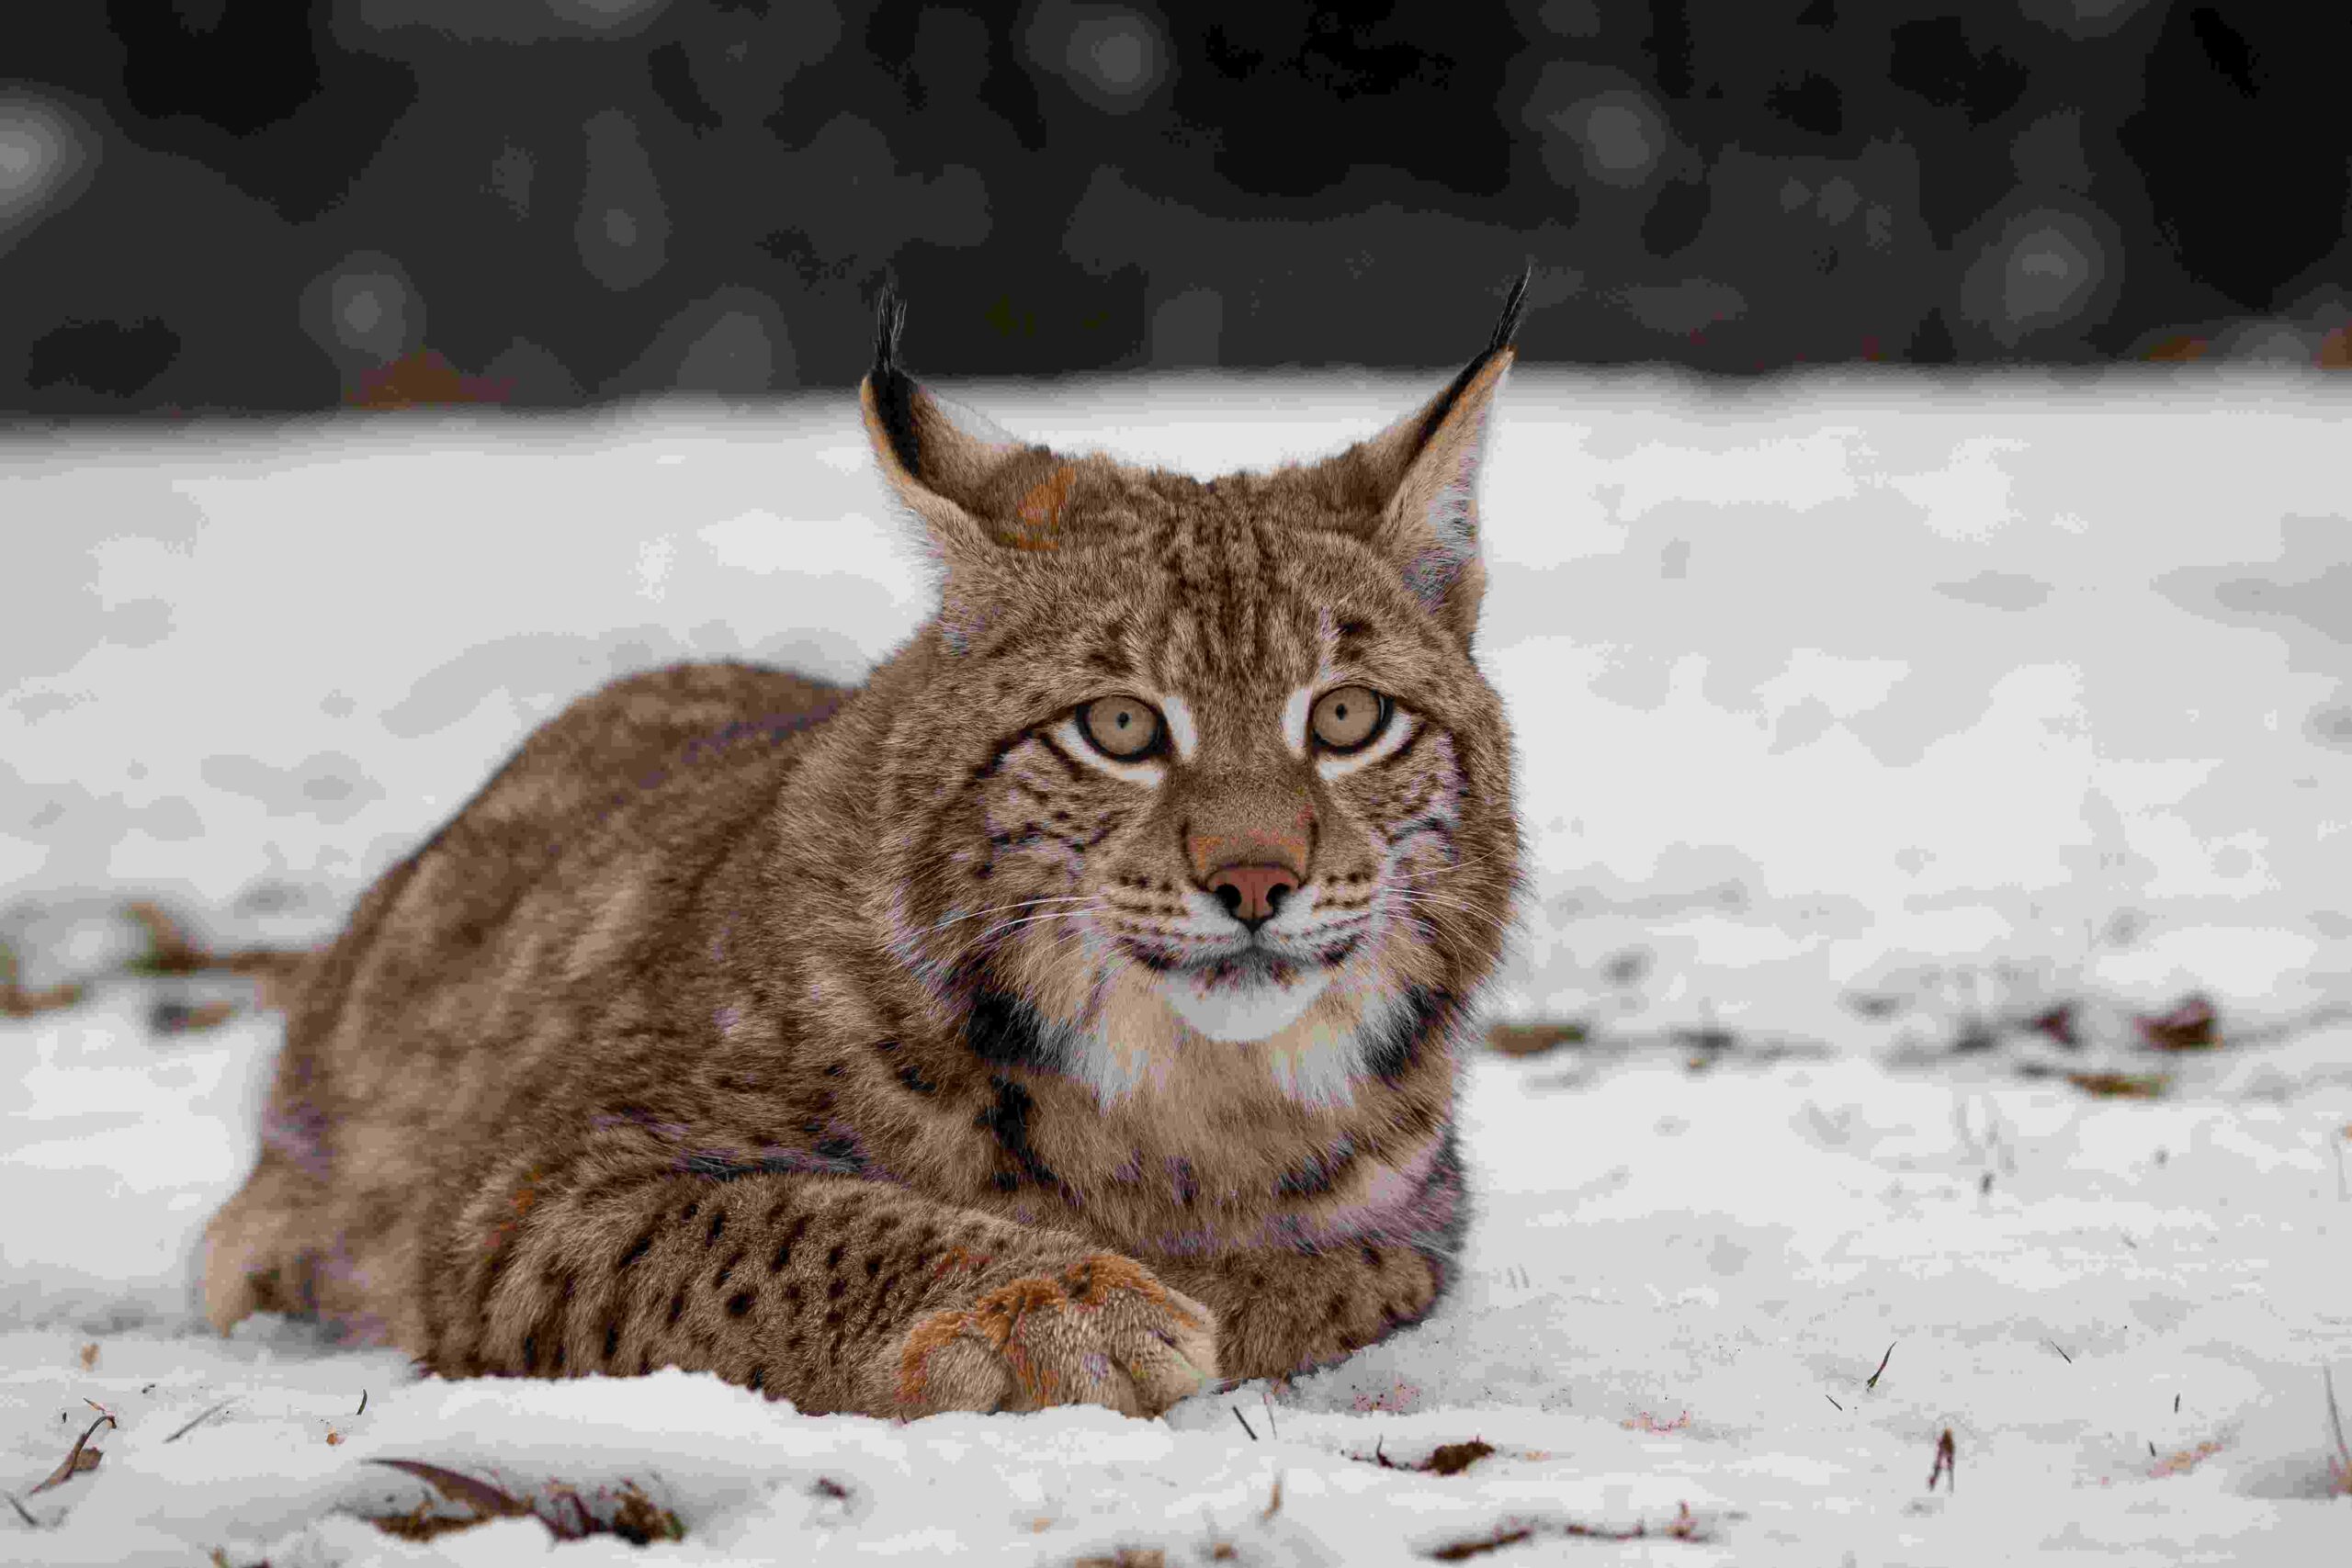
(1204, 766)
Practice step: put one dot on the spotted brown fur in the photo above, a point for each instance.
(733, 1025)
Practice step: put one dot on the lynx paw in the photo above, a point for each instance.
(1104, 1331)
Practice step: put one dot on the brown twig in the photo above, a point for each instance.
(1947, 1463)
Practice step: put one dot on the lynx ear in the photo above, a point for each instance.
(1420, 476)
(937, 457)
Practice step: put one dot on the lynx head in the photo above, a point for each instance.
(1196, 769)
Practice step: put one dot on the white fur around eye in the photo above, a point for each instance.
(1401, 725)
(1294, 712)
(1076, 747)
(1181, 731)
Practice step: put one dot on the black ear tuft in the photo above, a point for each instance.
(889, 322)
(894, 391)
(1513, 308)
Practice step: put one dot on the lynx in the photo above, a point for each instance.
(1070, 1014)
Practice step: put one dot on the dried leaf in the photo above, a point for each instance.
(478, 1495)
(90, 1356)
(638, 1520)
(2192, 1025)
(1534, 1038)
(1453, 1458)
(2058, 1024)
(83, 1457)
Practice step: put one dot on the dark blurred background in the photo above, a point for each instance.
(549, 202)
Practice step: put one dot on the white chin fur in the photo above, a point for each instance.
(1242, 1013)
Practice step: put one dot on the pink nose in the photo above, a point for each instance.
(1252, 893)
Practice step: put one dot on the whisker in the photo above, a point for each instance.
(1031, 921)
(1424, 872)
(1399, 898)
(1003, 908)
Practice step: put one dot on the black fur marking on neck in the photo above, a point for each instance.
(1319, 1173)
(1008, 1119)
(1506, 329)
(1421, 1016)
(894, 389)
(1008, 1032)
(1447, 1193)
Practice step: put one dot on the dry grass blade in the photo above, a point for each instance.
(200, 1418)
(169, 952)
(1510, 1535)
(17, 1002)
(421, 1523)
(1129, 1557)
(2121, 1086)
(1882, 1361)
(2341, 1462)
(478, 1495)
(1244, 1420)
(82, 1458)
(31, 1523)
(183, 1018)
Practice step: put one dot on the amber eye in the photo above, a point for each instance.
(1121, 726)
(1347, 718)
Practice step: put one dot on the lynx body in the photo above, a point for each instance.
(1070, 1014)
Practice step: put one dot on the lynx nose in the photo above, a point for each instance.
(1252, 893)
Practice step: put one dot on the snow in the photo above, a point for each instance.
(1858, 717)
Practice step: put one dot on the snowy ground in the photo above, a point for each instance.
(1856, 720)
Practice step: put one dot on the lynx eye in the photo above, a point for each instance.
(1121, 726)
(1347, 718)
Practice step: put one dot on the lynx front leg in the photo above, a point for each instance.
(1284, 1312)
(834, 1293)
